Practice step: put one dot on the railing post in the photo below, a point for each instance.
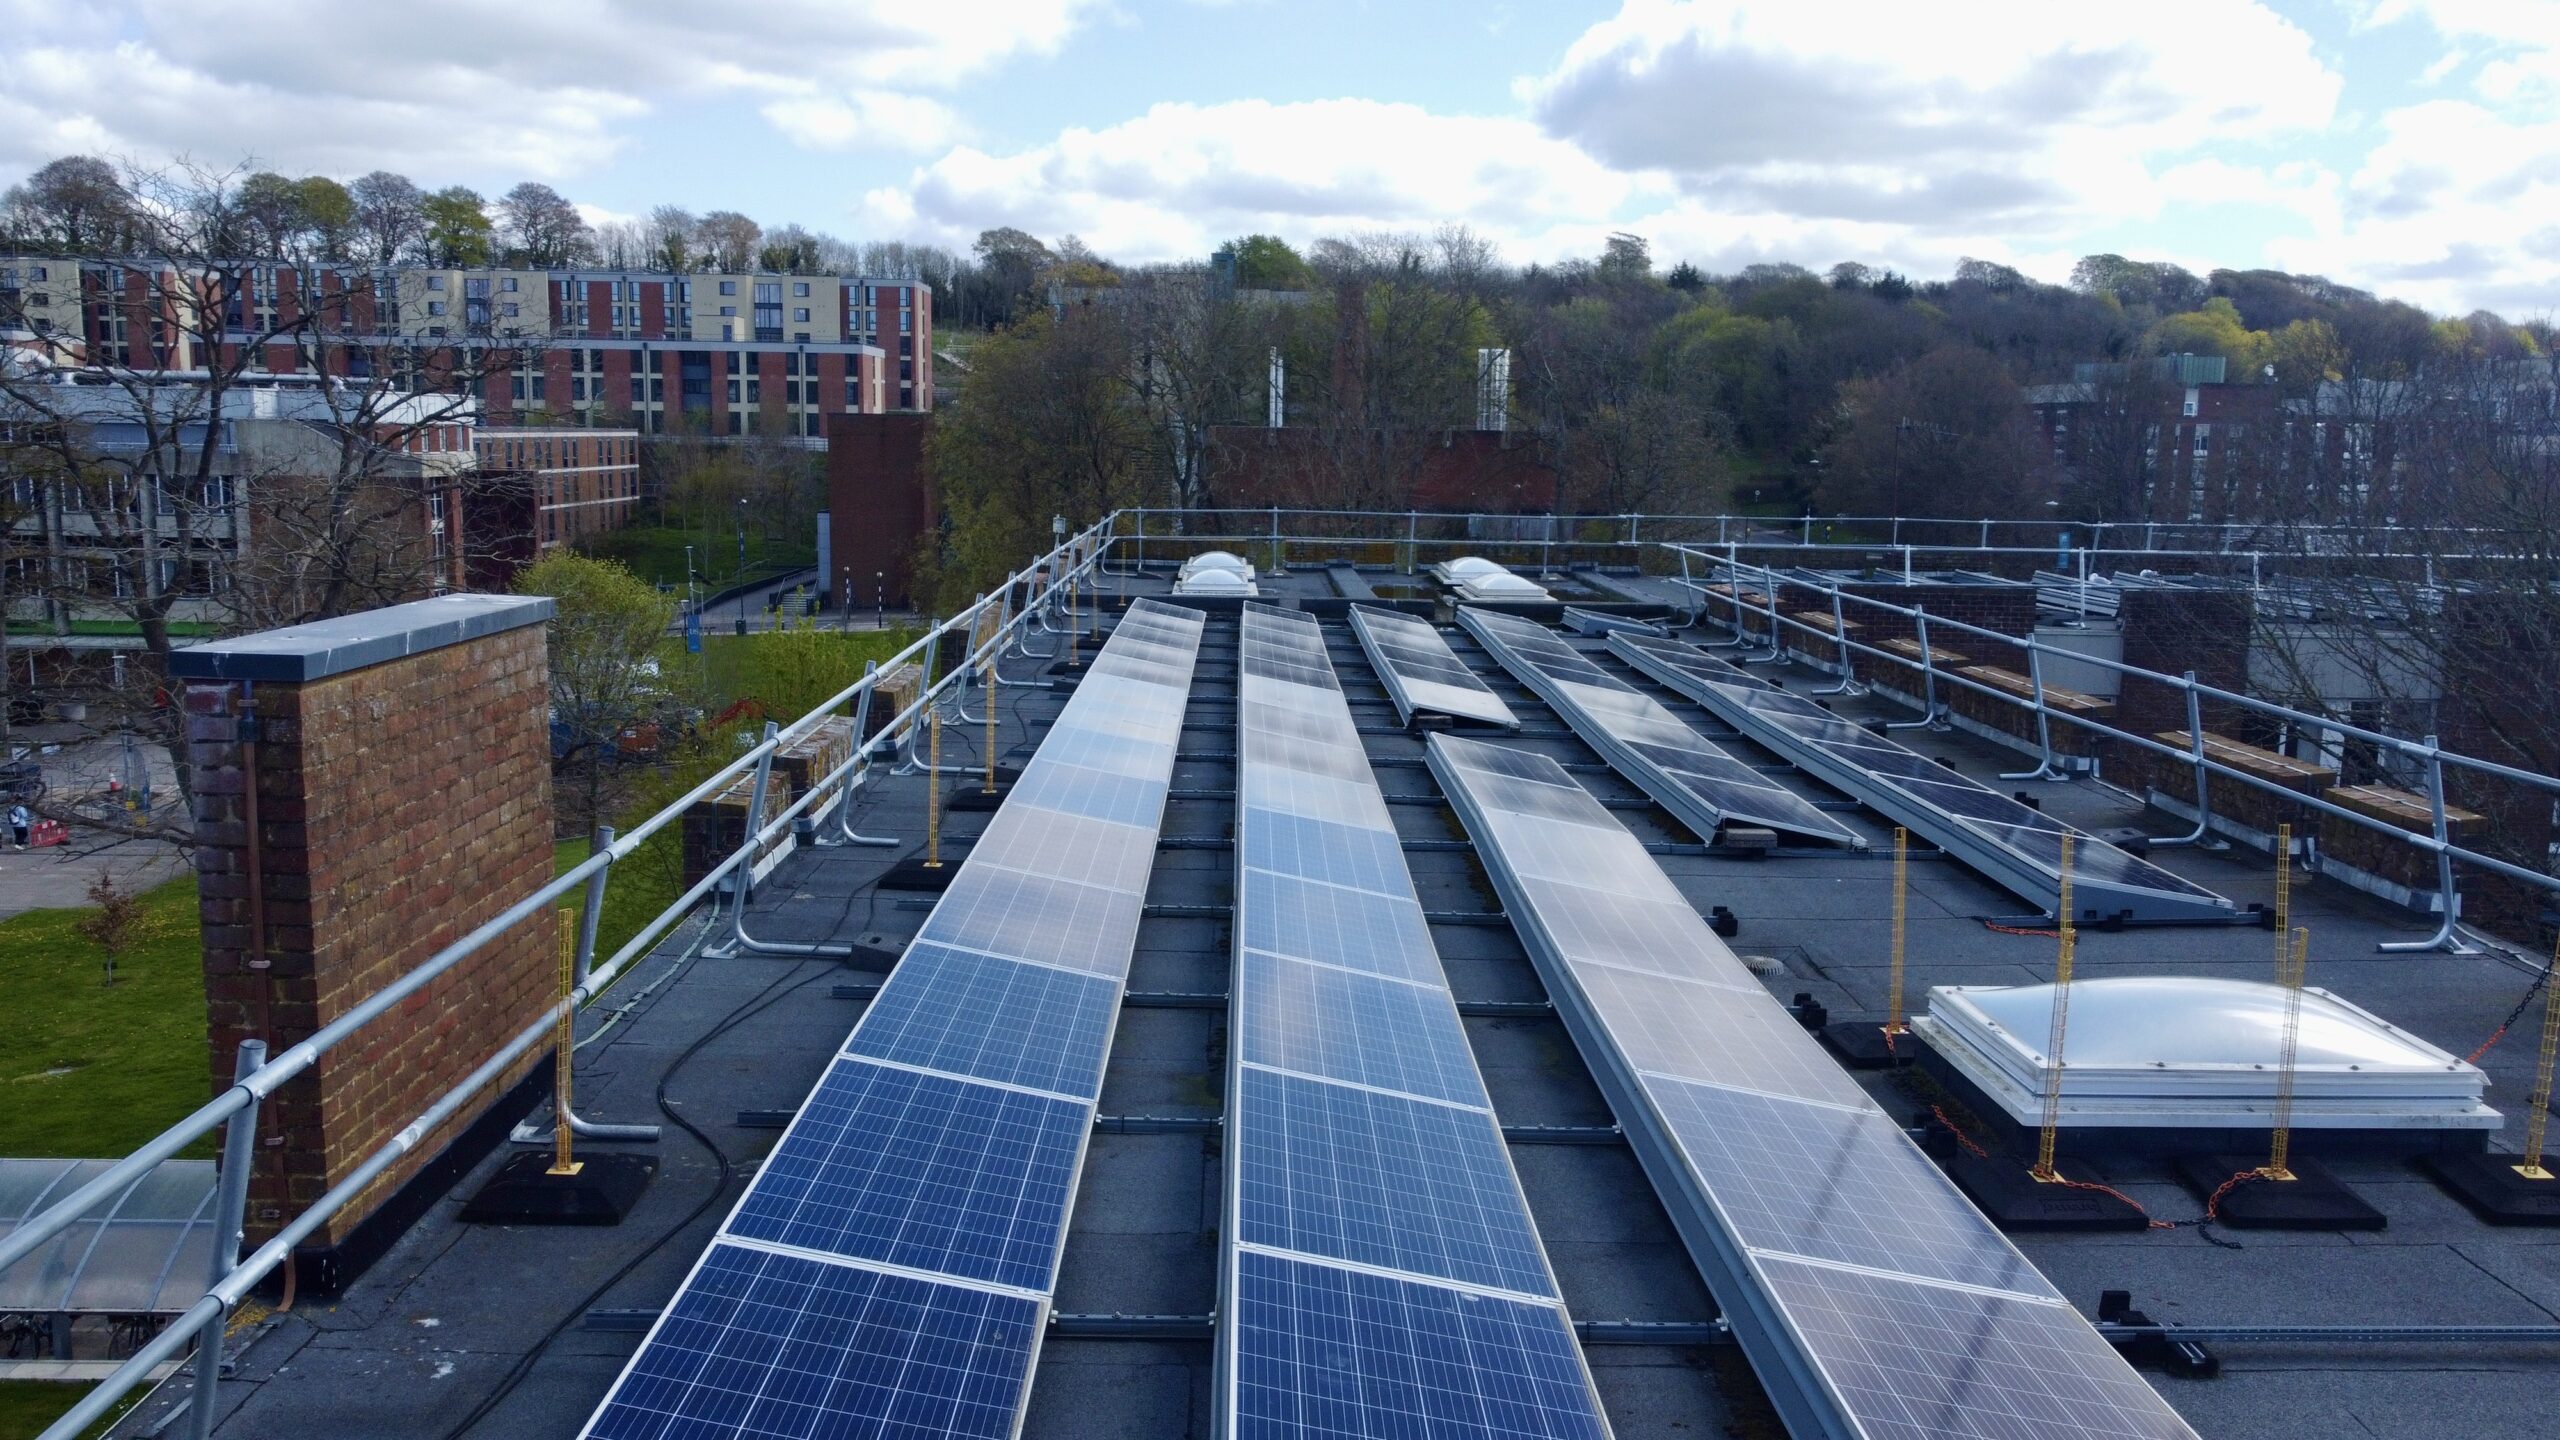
(230, 1213)
(2045, 768)
(1840, 639)
(2196, 758)
(737, 942)
(591, 913)
(2446, 938)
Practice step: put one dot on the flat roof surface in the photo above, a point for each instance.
(456, 1314)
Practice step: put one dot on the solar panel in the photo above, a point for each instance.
(1871, 1297)
(1682, 770)
(889, 1269)
(765, 1344)
(1329, 1354)
(1381, 1275)
(2014, 845)
(1422, 674)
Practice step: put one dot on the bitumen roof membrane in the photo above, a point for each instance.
(544, 1318)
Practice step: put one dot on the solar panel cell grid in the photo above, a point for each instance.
(761, 1345)
(1330, 1354)
(922, 1172)
(1038, 918)
(1363, 1029)
(1000, 1020)
(1381, 1180)
(1923, 1362)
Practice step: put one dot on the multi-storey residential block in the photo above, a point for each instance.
(655, 351)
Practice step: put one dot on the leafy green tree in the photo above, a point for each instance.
(603, 647)
(459, 231)
(273, 206)
(2216, 329)
(1266, 262)
(328, 214)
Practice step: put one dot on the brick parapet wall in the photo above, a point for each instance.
(399, 806)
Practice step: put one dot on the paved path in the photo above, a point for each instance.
(58, 876)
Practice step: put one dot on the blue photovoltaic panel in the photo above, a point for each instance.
(1363, 1029)
(1926, 1362)
(759, 1344)
(1421, 673)
(1336, 854)
(1381, 1180)
(1358, 1127)
(943, 1145)
(922, 1172)
(1873, 1299)
(1003, 1020)
(1821, 1181)
(1330, 1354)
(1680, 769)
(2015, 845)
(1332, 925)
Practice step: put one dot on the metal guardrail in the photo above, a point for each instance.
(1041, 583)
(257, 1075)
(2426, 754)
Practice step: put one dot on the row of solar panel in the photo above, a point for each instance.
(1931, 797)
(1917, 1316)
(1681, 769)
(1383, 1275)
(888, 1268)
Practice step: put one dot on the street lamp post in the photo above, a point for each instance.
(688, 579)
(742, 563)
(880, 600)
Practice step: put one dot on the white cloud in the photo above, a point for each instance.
(2027, 118)
(874, 121)
(1178, 179)
(437, 86)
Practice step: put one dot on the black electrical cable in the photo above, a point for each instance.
(747, 1009)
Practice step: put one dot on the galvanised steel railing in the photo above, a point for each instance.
(258, 1075)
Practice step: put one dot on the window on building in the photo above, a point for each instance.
(507, 308)
(476, 288)
(728, 311)
(800, 313)
(905, 321)
(728, 287)
(733, 392)
(435, 282)
(798, 287)
(435, 307)
(508, 284)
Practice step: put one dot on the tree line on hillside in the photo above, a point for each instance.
(1855, 391)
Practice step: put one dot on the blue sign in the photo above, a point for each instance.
(693, 632)
(2062, 557)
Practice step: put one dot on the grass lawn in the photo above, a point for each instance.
(27, 1406)
(92, 1070)
(656, 553)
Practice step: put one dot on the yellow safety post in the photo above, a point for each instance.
(2538, 1112)
(564, 1048)
(2288, 974)
(988, 676)
(1894, 1029)
(933, 788)
(2061, 1016)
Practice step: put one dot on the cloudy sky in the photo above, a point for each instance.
(2411, 146)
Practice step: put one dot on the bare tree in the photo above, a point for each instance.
(1200, 359)
(545, 230)
(728, 240)
(77, 205)
(185, 472)
(670, 237)
(390, 215)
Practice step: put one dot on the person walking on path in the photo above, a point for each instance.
(21, 820)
